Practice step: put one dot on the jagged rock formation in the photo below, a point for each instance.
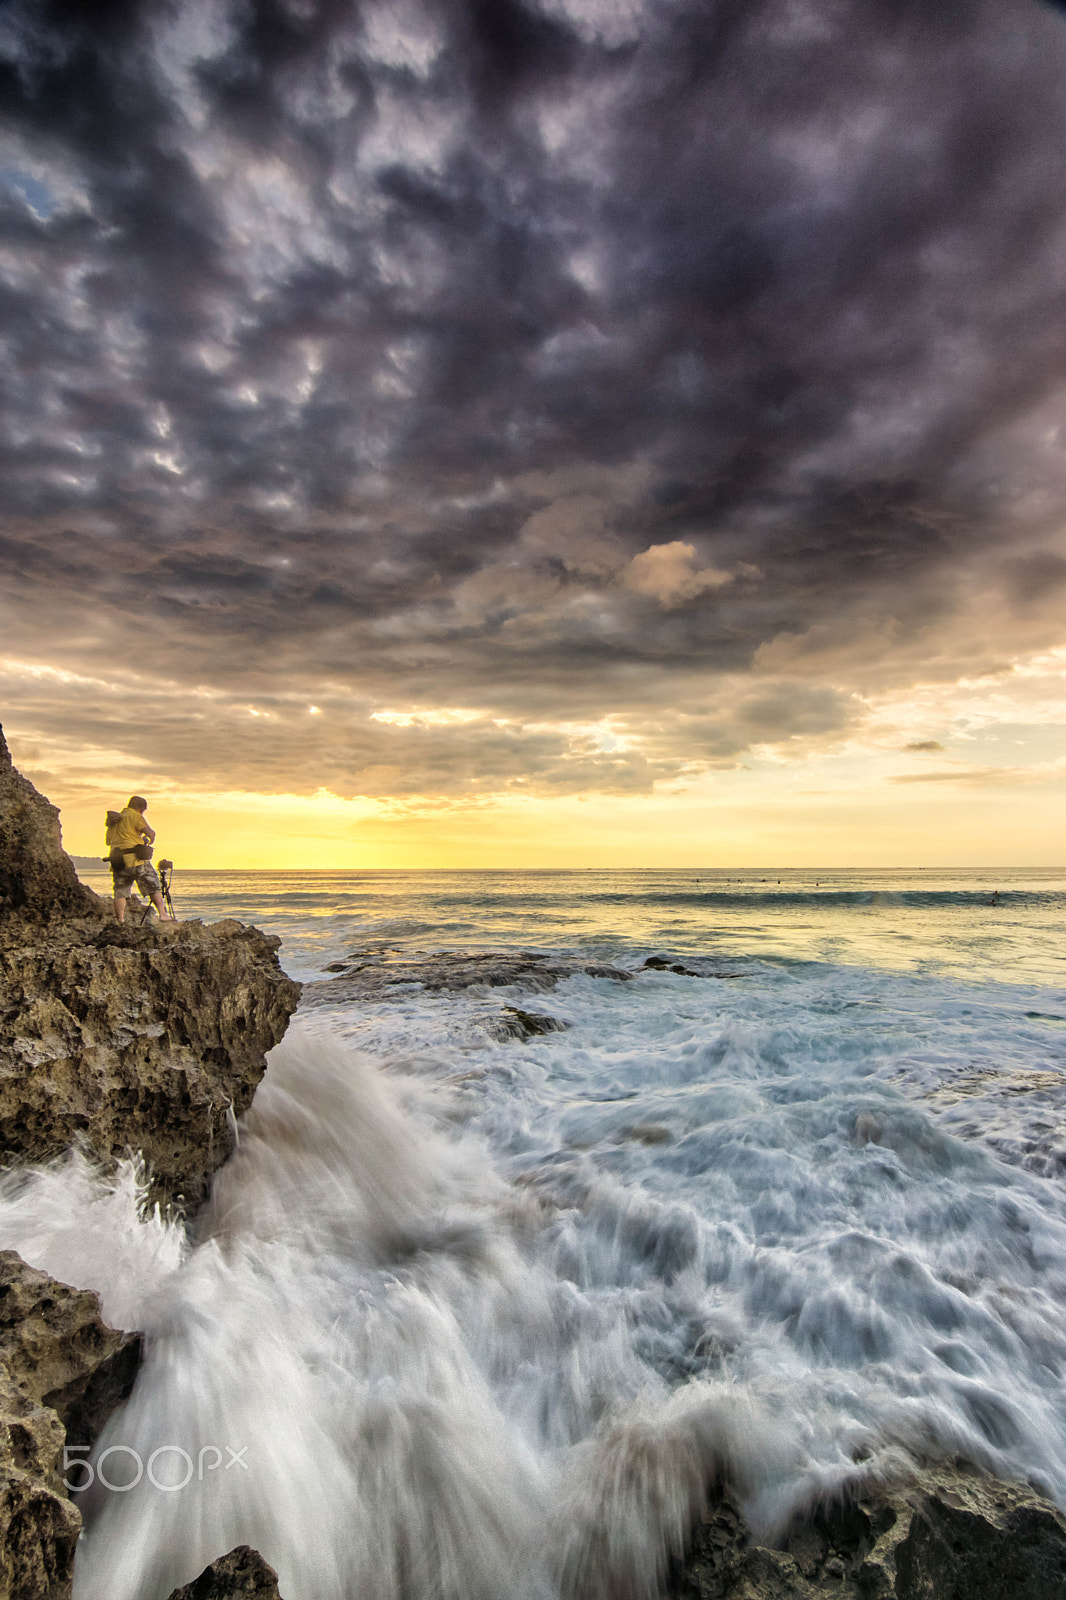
(381, 974)
(58, 1350)
(37, 878)
(135, 1039)
(62, 1369)
(242, 1575)
(514, 1023)
(947, 1534)
(147, 1039)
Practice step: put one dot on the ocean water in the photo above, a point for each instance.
(469, 1317)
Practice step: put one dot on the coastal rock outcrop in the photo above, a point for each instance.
(946, 1534)
(384, 974)
(514, 1023)
(141, 1039)
(242, 1575)
(62, 1370)
(37, 877)
(136, 1040)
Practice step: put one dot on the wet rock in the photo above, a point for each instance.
(37, 878)
(660, 964)
(647, 1132)
(38, 1531)
(516, 1024)
(947, 1534)
(388, 975)
(59, 1351)
(54, 1349)
(242, 1575)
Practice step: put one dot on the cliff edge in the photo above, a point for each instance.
(135, 1040)
(126, 1040)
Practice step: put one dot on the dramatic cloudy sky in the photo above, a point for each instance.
(575, 431)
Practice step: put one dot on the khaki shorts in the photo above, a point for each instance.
(142, 873)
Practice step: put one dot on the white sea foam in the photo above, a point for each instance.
(488, 1318)
(92, 1231)
(385, 1389)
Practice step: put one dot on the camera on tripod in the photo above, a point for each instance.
(165, 871)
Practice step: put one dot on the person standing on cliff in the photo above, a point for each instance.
(129, 839)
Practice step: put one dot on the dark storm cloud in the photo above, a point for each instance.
(556, 361)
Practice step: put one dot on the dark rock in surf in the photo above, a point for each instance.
(947, 1534)
(61, 1370)
(646, 1133)
(516, 1024)
(705, 970)
(242, 1575)
(658, 964)
(387, 975)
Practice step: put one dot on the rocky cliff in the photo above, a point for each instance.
(62, 1370)
(128, 1040)
(37, 878)
(946, 1533)
(134, 1040)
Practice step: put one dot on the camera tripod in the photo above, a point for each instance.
(165, 870)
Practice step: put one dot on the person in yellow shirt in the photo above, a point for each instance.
(128, 838)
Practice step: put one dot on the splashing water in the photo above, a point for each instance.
(362, 1369)
(464, 1318)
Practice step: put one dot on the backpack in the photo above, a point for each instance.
(142, 852)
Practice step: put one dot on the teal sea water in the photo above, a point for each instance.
(487, 1314)
(919, 920)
